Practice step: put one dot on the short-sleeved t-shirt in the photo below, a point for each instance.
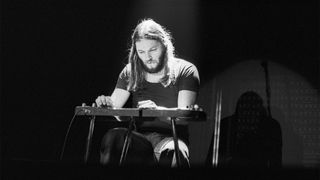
(185, 77)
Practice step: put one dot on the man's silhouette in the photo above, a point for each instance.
(249, 137)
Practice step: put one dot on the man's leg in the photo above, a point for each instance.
(164, 152)
(140, 149)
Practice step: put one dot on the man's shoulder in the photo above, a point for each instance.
(127, 68)
(184, 68)
(181, 63)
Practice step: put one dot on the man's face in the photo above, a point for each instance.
(151, 54)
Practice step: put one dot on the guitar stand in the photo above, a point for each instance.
(125, 145)
(175, 141)
(127, 142)
(91, 128)
(128, 139)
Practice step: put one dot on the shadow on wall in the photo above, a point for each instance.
(249, 137)
(292, 146)
(294, 103)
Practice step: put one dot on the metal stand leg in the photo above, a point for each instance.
(175, 140)
(126, 143)
(91, 128)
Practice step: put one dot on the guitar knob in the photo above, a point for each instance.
(196, 107)
(93, 104)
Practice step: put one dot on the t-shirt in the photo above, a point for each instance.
(185, 77)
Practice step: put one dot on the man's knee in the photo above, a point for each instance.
(140, 149)
(166, 154)
(113, 136)
(111, 146)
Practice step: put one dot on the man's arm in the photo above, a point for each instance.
(117, 100)
(119, 97)
(186, 98)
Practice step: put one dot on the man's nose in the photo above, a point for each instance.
(148, 56)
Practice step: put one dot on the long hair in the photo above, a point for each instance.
(149, 29)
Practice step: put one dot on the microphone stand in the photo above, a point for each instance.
(264, 64)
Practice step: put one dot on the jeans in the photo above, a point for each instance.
(148, 149)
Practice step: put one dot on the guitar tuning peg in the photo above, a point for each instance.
(93, 104)
(83, 104)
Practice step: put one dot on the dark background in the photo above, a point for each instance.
(59, 54)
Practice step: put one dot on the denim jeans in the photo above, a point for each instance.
(148, 149)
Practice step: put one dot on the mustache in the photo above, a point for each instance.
(156, 69)
(151, 60)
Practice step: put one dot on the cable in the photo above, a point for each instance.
(66, 136)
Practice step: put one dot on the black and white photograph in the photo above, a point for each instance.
(159, 89)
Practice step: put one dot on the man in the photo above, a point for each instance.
(156, 79)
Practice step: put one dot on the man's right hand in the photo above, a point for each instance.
(104, 101)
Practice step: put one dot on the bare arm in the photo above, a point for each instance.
(119, 97)
(186, 98)
(117, 100)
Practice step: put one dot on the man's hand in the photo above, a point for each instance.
(104, 101)
(147, 104)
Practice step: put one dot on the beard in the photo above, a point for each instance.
(156, 69)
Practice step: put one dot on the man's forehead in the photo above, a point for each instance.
(147, 43)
